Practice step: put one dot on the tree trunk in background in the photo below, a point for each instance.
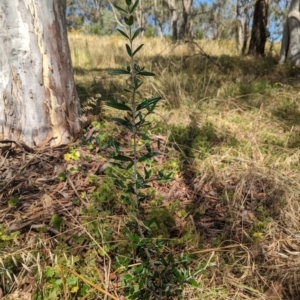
(239, 31)
(246, 33)
(158, 21)
(186, 11)
(259, 28)
(38, 102)
(290, 46)
(140, 16)
(241, 25)
(174, 18)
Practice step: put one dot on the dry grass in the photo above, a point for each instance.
(231, 126)
(253, 167)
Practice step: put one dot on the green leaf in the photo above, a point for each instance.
(129, 165)
(148, 148)
(56, 221)
(145, 73)
(133, 237)
(112, 143)
(178, 275)
(137, 69)
(129, 21)
(62, 176)
(128, 50)
(139, 176)
(144, 136)
(120, 8)
(122, 158)
(120, 183)
(49, 272)
(139, 116)
(141, 124)
(147, 156)
(123, 33)
(136, 51)
(148, 173)
(127, 277)
(117, 105)
(123, 122)
(148, 103)
(71, 280)
(128, 2)
(193, 282)
(136, 34)
(118, 72)
(9, 237)
(12, 202)
(134, 6)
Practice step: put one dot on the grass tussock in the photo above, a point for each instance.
(230, 132)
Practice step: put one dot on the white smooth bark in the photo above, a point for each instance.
(38, 99)
(290, 46)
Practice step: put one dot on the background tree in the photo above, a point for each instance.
(142, 15)
(96, 16)
(259, 28)
(160, 14)
(74, 20)
(39, 100)
(185, 27)
(278, 11)
(200, 18)
(215, 19)
(220, 20)
(290, 47)
(174, 18)
(244, 13)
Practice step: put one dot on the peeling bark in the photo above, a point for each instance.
(290, 46)
(38, 99)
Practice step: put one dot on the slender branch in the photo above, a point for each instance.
(116, 17)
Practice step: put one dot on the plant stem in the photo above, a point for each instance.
(133, 111)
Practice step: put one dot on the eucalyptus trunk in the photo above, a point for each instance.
(241, 25)
(290, 46)
(39, 103)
